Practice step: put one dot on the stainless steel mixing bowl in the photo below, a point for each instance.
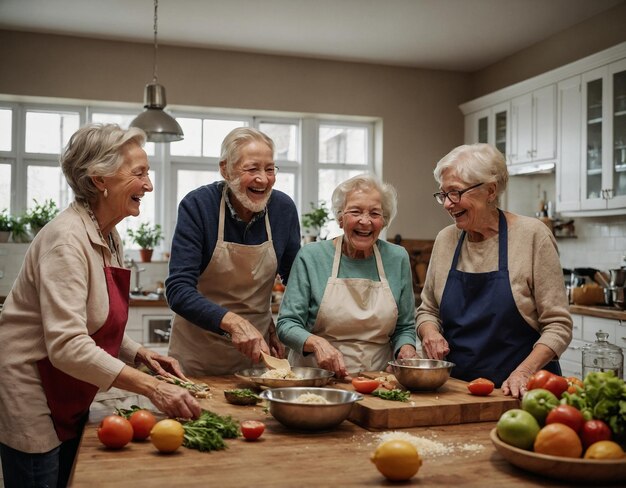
(310, 416)
(421, 374)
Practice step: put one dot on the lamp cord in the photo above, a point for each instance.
(156, 46)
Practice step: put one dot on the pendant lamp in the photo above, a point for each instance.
(158, 125)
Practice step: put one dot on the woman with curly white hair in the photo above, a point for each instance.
(349, 305)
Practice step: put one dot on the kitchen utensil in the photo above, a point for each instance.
(603, 356)
(618, 276)
(274, 362)
(310, 416)
(617, 295)
(601, 280)
(306, 377)
(576, 470)
(421, 374)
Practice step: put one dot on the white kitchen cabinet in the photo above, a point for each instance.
(144, 321)
(533, 126)
(490, 126)
(603, 141)
(569, 135)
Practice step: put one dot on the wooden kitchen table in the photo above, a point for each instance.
(284, 458)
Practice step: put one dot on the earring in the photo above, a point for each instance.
(106, 193)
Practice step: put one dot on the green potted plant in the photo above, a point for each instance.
(40, 214)
(19, 229)
(6, 224)
(147, 237)
(314, 220)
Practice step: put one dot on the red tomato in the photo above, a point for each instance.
(115, 431)
(480, 386)
(568, 415)
(142, 422)
(364, 385)
(251, 429)
(594, 431)
(548, 381)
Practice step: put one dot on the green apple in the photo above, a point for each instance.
(539, 402)
(518, 428)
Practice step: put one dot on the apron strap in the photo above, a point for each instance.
(337, 258)
(220, 225)
(503, 253)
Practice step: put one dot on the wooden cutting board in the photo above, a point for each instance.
(450, 404)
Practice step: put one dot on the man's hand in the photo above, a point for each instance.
(244, 336)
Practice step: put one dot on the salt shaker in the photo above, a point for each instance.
(603, 356)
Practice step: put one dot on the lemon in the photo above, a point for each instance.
(604, 450)
(397, 459)
(167, 435)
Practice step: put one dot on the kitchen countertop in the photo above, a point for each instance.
(282, 457)
(148, 303)
(604, 312)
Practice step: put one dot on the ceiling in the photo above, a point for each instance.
(460, 35)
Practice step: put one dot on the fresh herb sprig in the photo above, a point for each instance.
(207, 433)
(127, 412)
(394, 395)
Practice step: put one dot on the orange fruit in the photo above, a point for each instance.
(558, 440)
(167, 435)
(604, 450)
(397, 459)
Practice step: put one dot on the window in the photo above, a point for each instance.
(313, 156)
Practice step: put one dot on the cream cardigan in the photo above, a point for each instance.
(57, 301)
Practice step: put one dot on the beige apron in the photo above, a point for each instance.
(239, 278)
(358, 317)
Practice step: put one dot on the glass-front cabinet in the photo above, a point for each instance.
(604, 138)
(490, 126)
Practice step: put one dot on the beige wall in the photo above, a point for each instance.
(418, 108)
(600, 32)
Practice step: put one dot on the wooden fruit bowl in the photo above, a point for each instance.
(562, 468)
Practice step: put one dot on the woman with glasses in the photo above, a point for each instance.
(494, 302)
(349, 305)
(232, 237)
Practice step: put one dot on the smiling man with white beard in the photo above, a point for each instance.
(232, 237)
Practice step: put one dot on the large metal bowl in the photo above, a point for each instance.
(421, 374)
(307, 377)
(310, 416)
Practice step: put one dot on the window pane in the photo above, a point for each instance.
(48, 132)
(191, 145)
(329, 180)
(5, 187)
(6, 129)
(123, 120)
(343, 144)
(44, 183)
(190, 180)
(286, 182)
(147, 213)
(284, 137)
(214, 132)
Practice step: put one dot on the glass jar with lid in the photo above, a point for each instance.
(603, 356)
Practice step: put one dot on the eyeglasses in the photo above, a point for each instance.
(254, 172)
(454, 195)
(358, 214)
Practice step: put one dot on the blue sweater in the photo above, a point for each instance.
(311, 270)
(194, 242)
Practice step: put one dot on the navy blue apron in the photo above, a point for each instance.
(487, 336)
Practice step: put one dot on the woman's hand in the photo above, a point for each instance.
(244, 336)
(175, 401)
(163, 365)
(515, 384)
(433, 343)
(407, 351)
(326, 355)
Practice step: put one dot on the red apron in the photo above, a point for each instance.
(69, 398)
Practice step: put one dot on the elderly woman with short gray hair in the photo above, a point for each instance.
(349, 305)
(62, 327)
(494, 301)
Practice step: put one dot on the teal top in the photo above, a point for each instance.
(307, 282)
